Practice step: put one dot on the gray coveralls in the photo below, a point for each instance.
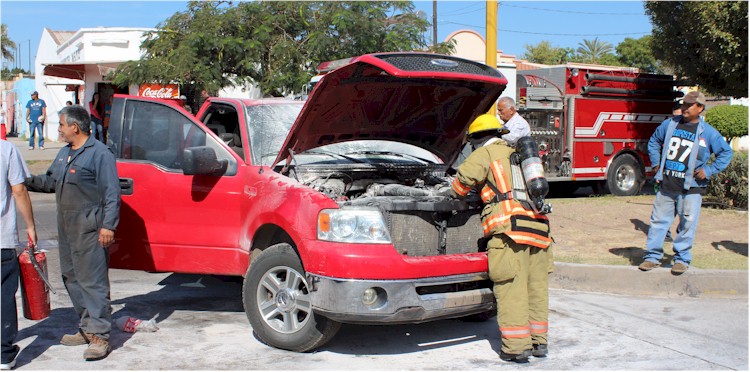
(87, 192)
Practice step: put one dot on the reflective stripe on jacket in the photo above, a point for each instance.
(490, 164)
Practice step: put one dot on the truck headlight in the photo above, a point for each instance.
(352, 225)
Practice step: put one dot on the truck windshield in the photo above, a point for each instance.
(268, 127)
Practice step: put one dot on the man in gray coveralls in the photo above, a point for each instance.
(84, 179)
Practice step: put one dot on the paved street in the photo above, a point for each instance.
(203, 326)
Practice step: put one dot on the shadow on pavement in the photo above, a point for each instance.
(412, 338)
(635, 255)
(739, 248)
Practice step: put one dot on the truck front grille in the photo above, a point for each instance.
(418, 233)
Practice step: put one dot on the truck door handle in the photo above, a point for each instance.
(126, 186)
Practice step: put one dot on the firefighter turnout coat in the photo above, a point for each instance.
(489, 167)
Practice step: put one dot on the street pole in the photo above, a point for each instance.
(29, 56)
(434, 23)
(491, 31)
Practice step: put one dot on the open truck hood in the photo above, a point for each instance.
(423, 99)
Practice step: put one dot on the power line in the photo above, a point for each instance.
(481, 7)
(570, 11)
(549, 33)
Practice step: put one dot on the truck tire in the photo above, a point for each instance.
(277, 302)
(625, 176)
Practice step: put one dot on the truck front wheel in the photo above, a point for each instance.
(278, 305)
(625, 177)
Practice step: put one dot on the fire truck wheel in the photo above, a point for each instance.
(625, 177)
(278, 305)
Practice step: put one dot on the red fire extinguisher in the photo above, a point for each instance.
(34, 284)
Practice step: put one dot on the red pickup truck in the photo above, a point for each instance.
(333, 209)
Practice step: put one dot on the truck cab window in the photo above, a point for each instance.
(156, 133)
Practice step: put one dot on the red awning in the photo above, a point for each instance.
(66, 71)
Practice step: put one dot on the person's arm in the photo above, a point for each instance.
(655, 144)
(108, 183)
(17, 173)
(723, 152)
(44, 182)
(23, 203)
(44, 113)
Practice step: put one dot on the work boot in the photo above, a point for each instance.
(98, 348)
(539, 350)
(76, 339)
(648, 265)
(522, 357)
(679, 268)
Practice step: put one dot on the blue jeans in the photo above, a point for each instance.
(96, 129)
(10, 270)
(666, 207)
(33, 127)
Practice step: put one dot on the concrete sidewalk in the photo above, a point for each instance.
(624, 280)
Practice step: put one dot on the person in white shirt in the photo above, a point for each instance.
(518, 126)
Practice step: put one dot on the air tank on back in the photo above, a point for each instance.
(533, 172)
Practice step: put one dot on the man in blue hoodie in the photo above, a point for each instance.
(682, 146)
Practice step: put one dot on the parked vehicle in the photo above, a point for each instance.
(333, 209)
(593, 124)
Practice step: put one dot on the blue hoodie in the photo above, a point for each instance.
(710, 141)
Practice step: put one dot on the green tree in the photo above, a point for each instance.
(592, 50)
(638, 53)
(610, 59)
(6, 44)
(730, 121)
(704, 41)
(547, 54)
(276, 45)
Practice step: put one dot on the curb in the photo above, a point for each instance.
(628, 280)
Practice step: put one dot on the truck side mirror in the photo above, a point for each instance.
(202, 161)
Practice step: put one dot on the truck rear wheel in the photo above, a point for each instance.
(625, 177)
(277, 302)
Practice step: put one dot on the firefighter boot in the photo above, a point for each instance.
(79, 338)
(539, 351)
(523, 357)
(98, 348)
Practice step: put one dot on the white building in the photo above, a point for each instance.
(72, 65)
(471, 45)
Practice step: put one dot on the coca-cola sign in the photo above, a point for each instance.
(159, 91)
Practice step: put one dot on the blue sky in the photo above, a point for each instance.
(563, 23)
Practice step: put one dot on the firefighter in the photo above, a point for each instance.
(518, 258)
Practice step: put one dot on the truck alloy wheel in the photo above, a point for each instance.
(278, 305)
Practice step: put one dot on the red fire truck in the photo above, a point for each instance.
(593, 124)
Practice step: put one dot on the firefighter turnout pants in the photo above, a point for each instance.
(520, 275)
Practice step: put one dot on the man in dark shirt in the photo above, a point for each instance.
(681, 147)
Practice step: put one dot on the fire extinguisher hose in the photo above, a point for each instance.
(32, 258)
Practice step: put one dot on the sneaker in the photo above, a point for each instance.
(539, 350)
(31, 147)
(98, 348)
(41, 147)
(6, 366)
(523, 357)
(648, 265)
(76, 339)
(679, 268)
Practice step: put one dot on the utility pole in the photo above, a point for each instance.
(29, 56)
(491, 31)
(434, 23)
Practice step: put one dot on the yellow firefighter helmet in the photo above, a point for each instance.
(485, 123)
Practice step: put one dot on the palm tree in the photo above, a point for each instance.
(592, 50)
(7, 44)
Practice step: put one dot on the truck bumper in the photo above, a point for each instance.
(401, 301)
